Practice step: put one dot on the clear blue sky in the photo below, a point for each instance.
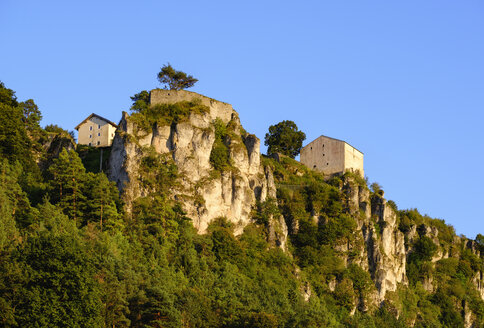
(403, 81)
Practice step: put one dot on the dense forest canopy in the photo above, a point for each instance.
(71, 255)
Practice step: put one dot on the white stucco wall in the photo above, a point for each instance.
(96, 132)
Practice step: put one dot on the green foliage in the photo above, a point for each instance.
(166, 114)
(377, 189)
(392, 205)
(54, 128)
(220, 155)
(7, 96)
(418, 266)
(141, 101)
(66, 186)
(361, 279)
(11, 198)
(58, 270)
(104, 203)
(284, 138)
(14, 142)
(85, 197)
(31, 115)
(91, 157)
(148, 266)
(157, 171)
(175, 80)
(356, 177)
(265, 211)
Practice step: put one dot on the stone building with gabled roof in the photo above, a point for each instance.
(330, 156)
(96, 131)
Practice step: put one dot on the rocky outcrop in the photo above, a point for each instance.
(206, 194)
(383, 254)
(53, 146)
(390, 255)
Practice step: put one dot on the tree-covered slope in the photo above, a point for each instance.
(73, 255)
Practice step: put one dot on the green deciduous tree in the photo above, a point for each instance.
(284, 138)
(61, 290)
(175, 80)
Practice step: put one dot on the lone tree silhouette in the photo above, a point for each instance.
(175, 80)
(285, 138)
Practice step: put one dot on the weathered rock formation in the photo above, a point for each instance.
(383, 254)
(231, 193)
(53, 146)
(379, 245)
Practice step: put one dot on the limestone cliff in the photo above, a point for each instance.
(390, 241)
(340, 220)
(384, 252)
(206, 194)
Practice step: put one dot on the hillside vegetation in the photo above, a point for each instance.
(72, 255)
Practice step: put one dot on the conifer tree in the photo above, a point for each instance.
(69, 175)
(175, 80)
(102, 196)
(14, 198)
(8, 230)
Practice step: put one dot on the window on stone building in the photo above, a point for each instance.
(90, 128)
(99, 134)
(90, 136)
(98, 143)
(99, 126)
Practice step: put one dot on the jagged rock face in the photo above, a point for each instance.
(231, 194)
(53, 147)
(383, 254)
(390, 269)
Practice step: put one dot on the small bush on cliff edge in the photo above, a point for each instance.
(165, 114)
